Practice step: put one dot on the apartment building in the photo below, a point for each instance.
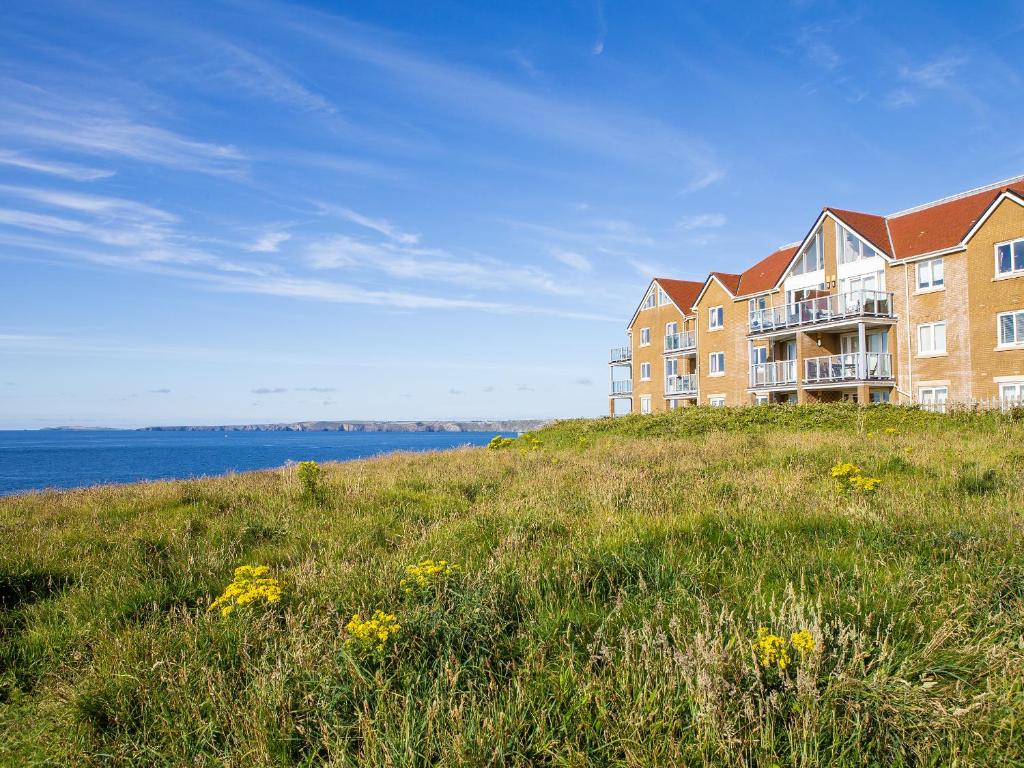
(921, 306)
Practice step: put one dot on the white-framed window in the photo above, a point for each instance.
(930, 275)
(850, 247)
(650, 300)
(671, 329)
(645, 337)
(879, 395)
(761, 400)
(645, 371)
(716, 364)
(716, 318)
(663, 298)
(716, 401)
(931, 338)
(672, 366)
(933, 398)
(1010, 258)
(1014, 392)
(645, 404)
(812, 258)
(1011, 328)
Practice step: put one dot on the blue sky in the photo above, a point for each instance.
(243, 212)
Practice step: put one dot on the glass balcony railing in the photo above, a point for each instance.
(823, 309)
(621, 354)
(681, 342)
(854, 366)
(624, 387)
(773, 374)
(681, 385)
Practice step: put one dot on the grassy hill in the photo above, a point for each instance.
(610, 581)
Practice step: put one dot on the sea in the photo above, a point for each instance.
(38, 460)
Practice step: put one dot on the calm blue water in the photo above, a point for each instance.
(36, 460)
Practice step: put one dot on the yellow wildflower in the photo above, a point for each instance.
(890, 430)
(372, 635)
(770, 650)
(803, 641)
(251, 584)
(850, 477)
(427, 574)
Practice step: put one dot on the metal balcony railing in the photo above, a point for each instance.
(854, 366)
(823, 309)
(680, 342)
(681, 385)
(773, 374)
(621, 354)
(624, 387)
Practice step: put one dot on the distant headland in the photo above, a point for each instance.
(512, 425)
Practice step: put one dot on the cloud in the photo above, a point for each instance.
(584, 382)
(572, 259)
(342, 252)
(711, 176)
(64, 170)
(487, 389)
(269, 390)
(900, 98)
(381, 226)
(602, 29)
(159, 391)
(269, 242)
(454, 391)
(938, 73)
(64, 121)
(525, 388)
(113, 207)
(703, 221)
(321, 390)
(818, 52)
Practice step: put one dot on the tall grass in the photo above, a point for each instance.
(611, 584)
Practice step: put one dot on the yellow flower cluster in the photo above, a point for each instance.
(498, 442)
(426, 574)
(250, 585)
(372, 635)
(772, 651)
(850, 477)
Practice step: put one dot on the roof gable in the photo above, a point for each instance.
(682, 292)
(868, 226)
(764, 275)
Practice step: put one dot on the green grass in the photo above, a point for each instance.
(612, 582)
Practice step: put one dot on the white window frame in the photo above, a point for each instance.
(928, 268)
(671, 328)
(816, 242)
(716, 401)
(671, 366)
(931, 398)
(1018, 339)
(645, 404)
(760, 399)
(930, 330)
(862, 245)
(645, 367)
(645, 337)
(712, 370)
(1014, 272)
(1012, 390)
(716, 318)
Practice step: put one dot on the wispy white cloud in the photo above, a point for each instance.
(342, 252)
(66, 122)
(52, 167)
(576, 261)
(812, 42)
(269, 242)
(381, 226)
(97, 205)
(937, 73)
(703, 221)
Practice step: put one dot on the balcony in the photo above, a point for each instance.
(778, 373)
(834, 308)
(621, 355)
(852, 367)
(622, 388)
(681, 385)
(681, 342)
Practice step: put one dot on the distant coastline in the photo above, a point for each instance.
(509, 425)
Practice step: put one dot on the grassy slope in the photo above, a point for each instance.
(613, 581)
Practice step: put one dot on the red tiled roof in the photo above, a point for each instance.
(943, 224)
(766, 273)
(868, 225)
(729, 280)
(682, 292)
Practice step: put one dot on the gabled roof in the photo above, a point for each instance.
(729, 280)
(869, 226)
(682, 292)
(944, 224)
(766, 273)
